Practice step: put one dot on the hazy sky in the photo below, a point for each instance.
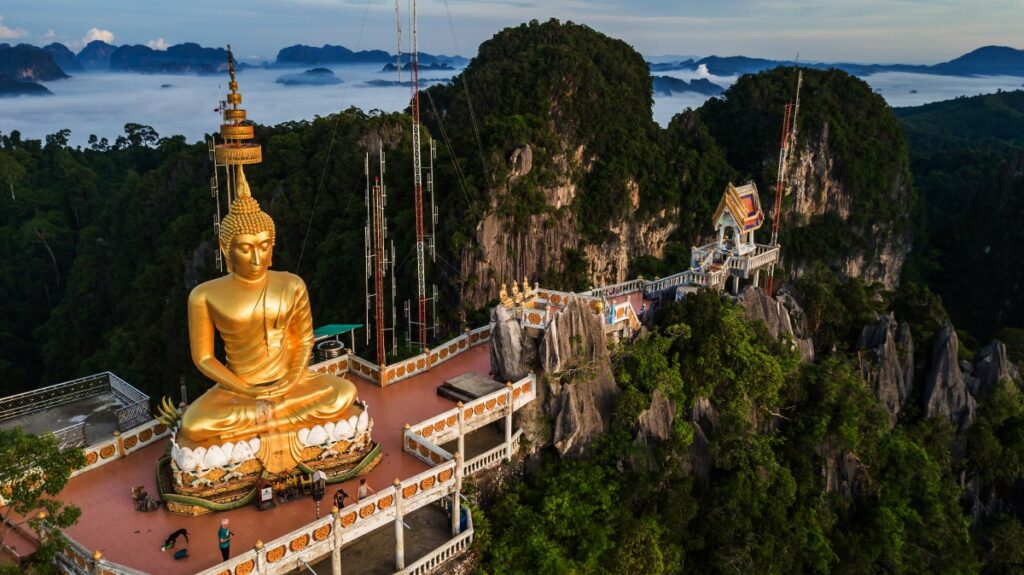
(883, 31)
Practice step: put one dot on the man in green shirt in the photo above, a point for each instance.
(224, 538)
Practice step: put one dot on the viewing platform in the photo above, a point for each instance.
(79, 412)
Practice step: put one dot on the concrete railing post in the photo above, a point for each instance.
(462, 433)
(120, 444)
(336, 551)
(508, 420)
(456, 496)
(96, 565)
(399, 532)
(260, 559)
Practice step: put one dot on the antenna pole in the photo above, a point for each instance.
(417, 166)
(786, 144)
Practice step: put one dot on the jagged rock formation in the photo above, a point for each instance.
(507, 247)
(991, 366)
(655, 422)
(574, 356)
(819, 191)
(512, 355)
(840, 470)
(704, 418)
(782, 315)
(946, 392)
(576, 388)
(887, 363)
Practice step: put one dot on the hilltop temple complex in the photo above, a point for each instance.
(274, 430)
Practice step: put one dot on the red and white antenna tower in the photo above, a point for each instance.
(417, 170)
(789, 128)
(378, 258)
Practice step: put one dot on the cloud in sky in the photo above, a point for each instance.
(158, 44)
(7, 33)
(98, 34)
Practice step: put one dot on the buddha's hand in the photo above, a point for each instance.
(279, 388)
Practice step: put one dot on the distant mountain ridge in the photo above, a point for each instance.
(301, 55)
(178, 59)
(984, 61)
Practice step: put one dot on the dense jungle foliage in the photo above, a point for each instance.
(967, 157)
(767, 489)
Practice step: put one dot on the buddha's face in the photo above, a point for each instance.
(249, 255)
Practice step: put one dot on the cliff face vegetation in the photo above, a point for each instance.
(561, 158)
(573, 183)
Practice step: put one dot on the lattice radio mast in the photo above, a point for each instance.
(786, 144)
(379, 256)
(422, 238)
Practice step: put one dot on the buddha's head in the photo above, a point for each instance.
(246, 234)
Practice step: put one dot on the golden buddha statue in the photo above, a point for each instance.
(264, 388)
(503, 296)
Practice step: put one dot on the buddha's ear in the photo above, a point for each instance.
(224, 254)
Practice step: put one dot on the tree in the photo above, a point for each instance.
(35, 471)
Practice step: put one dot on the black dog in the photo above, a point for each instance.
(172, 539)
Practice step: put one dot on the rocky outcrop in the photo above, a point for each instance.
(840, 470)
(782, 315)
(991, 366)
(506, 247)
(818, 191)
(946, 393)
(655, 422)
(704, 418)
(582, 389)
(886, 354)
(512, 353)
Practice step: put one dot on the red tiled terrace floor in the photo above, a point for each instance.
(110, 523)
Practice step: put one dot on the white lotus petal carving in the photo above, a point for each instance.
(342, 430)
(188, 460)
(215, 457)
(303, 436)
(363, 422)
(241, 452)
(317, 435)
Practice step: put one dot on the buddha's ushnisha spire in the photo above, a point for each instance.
(238, 148)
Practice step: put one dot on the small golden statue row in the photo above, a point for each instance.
(518, 297)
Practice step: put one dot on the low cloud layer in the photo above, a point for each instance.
(102, 103)
(158, 44)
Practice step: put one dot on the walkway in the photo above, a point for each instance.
(110, 524)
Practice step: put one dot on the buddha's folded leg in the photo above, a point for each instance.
(216, 416)
(321, 398)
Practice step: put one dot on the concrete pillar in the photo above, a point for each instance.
(456, 497)
(120, 444)
(399, 530)
(336, 551)
(736, 285)
(261, 559)
(757, 278)
(508, 421)
(462, 434)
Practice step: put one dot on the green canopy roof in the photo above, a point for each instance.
(334, 329)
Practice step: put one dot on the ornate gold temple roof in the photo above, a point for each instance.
(238, 148)
(743, 204)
